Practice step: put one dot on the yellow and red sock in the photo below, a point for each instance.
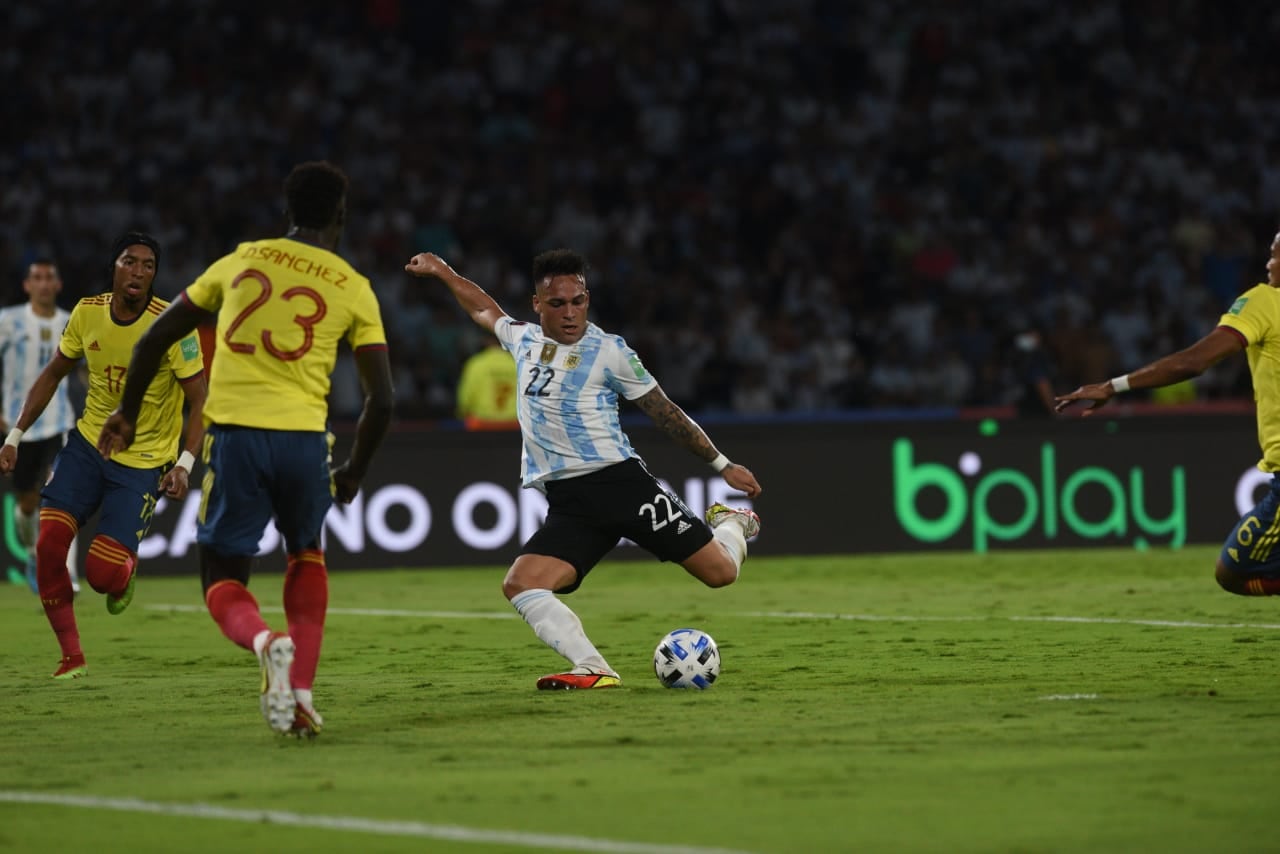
(108, 565)
(306, 599)
(236, 612)
(57, 529)
(1262, 587)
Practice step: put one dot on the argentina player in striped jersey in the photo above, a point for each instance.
(571, 374)
(29, 336)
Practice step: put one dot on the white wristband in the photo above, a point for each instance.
(720, 463)
(1120, 383)
(14, 437)
(186, 461)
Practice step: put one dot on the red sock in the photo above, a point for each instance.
(57, 528)
(108, 566)
(236, 612)
(306, 598)
(1262, 587)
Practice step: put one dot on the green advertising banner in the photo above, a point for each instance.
(439, 497)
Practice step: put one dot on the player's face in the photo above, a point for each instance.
(561, 303)
(42, 285)
(135, 270)
(1273, 265)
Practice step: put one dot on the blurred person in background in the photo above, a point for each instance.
(29, 336)
(487, 389)
(1032, 370)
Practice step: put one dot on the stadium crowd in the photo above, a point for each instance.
(789, 205)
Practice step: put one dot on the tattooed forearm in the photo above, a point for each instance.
(673, 421)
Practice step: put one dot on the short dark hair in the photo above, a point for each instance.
(41, 261)
(559, 262)
(314, 192)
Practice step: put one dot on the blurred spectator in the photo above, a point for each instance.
(1032, 376)
(487, 389)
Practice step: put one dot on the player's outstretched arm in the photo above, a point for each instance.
(174, 323)
(1174, 368)
(478, 305)
(374, 368)
(686, 432)
(37, 400)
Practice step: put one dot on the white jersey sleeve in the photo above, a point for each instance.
(27, 344)
(568, 399)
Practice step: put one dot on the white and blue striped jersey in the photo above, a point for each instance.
(27, 344)
(568, 399)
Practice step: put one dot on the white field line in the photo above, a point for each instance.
(1117, 621)
(365, 612)
(418, 829)
(771, 615)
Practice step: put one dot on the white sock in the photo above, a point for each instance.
(26, 527)
(730, 536)
(260, 641)
(73, 558)
(303, 696)
(559, 628)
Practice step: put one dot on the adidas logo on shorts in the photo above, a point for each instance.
(682, 527)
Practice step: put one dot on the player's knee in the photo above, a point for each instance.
(720, 574)
(539, 572)
(1230, 580)
(107, 565)
(513, 584)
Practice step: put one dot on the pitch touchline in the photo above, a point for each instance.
(363, 612)
(777, 615)
(359, 825)
(877, 618)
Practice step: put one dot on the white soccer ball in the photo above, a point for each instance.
(687, 658)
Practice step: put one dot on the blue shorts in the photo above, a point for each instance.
(1250, 548)
(81, 482)
(252, 475)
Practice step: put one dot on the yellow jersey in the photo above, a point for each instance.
(1256, 316)
(106, 345)
(487, 387)
(282, 307)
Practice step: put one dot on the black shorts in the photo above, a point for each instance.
(587, 515)
(34, 459)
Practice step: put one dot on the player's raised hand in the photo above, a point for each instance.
(8, 459)
(1096, 393)
(117, 434)
(741, 478)
(427, 264)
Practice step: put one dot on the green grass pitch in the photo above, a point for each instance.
(1022, 702)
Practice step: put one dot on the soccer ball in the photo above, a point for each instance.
(687, 658)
